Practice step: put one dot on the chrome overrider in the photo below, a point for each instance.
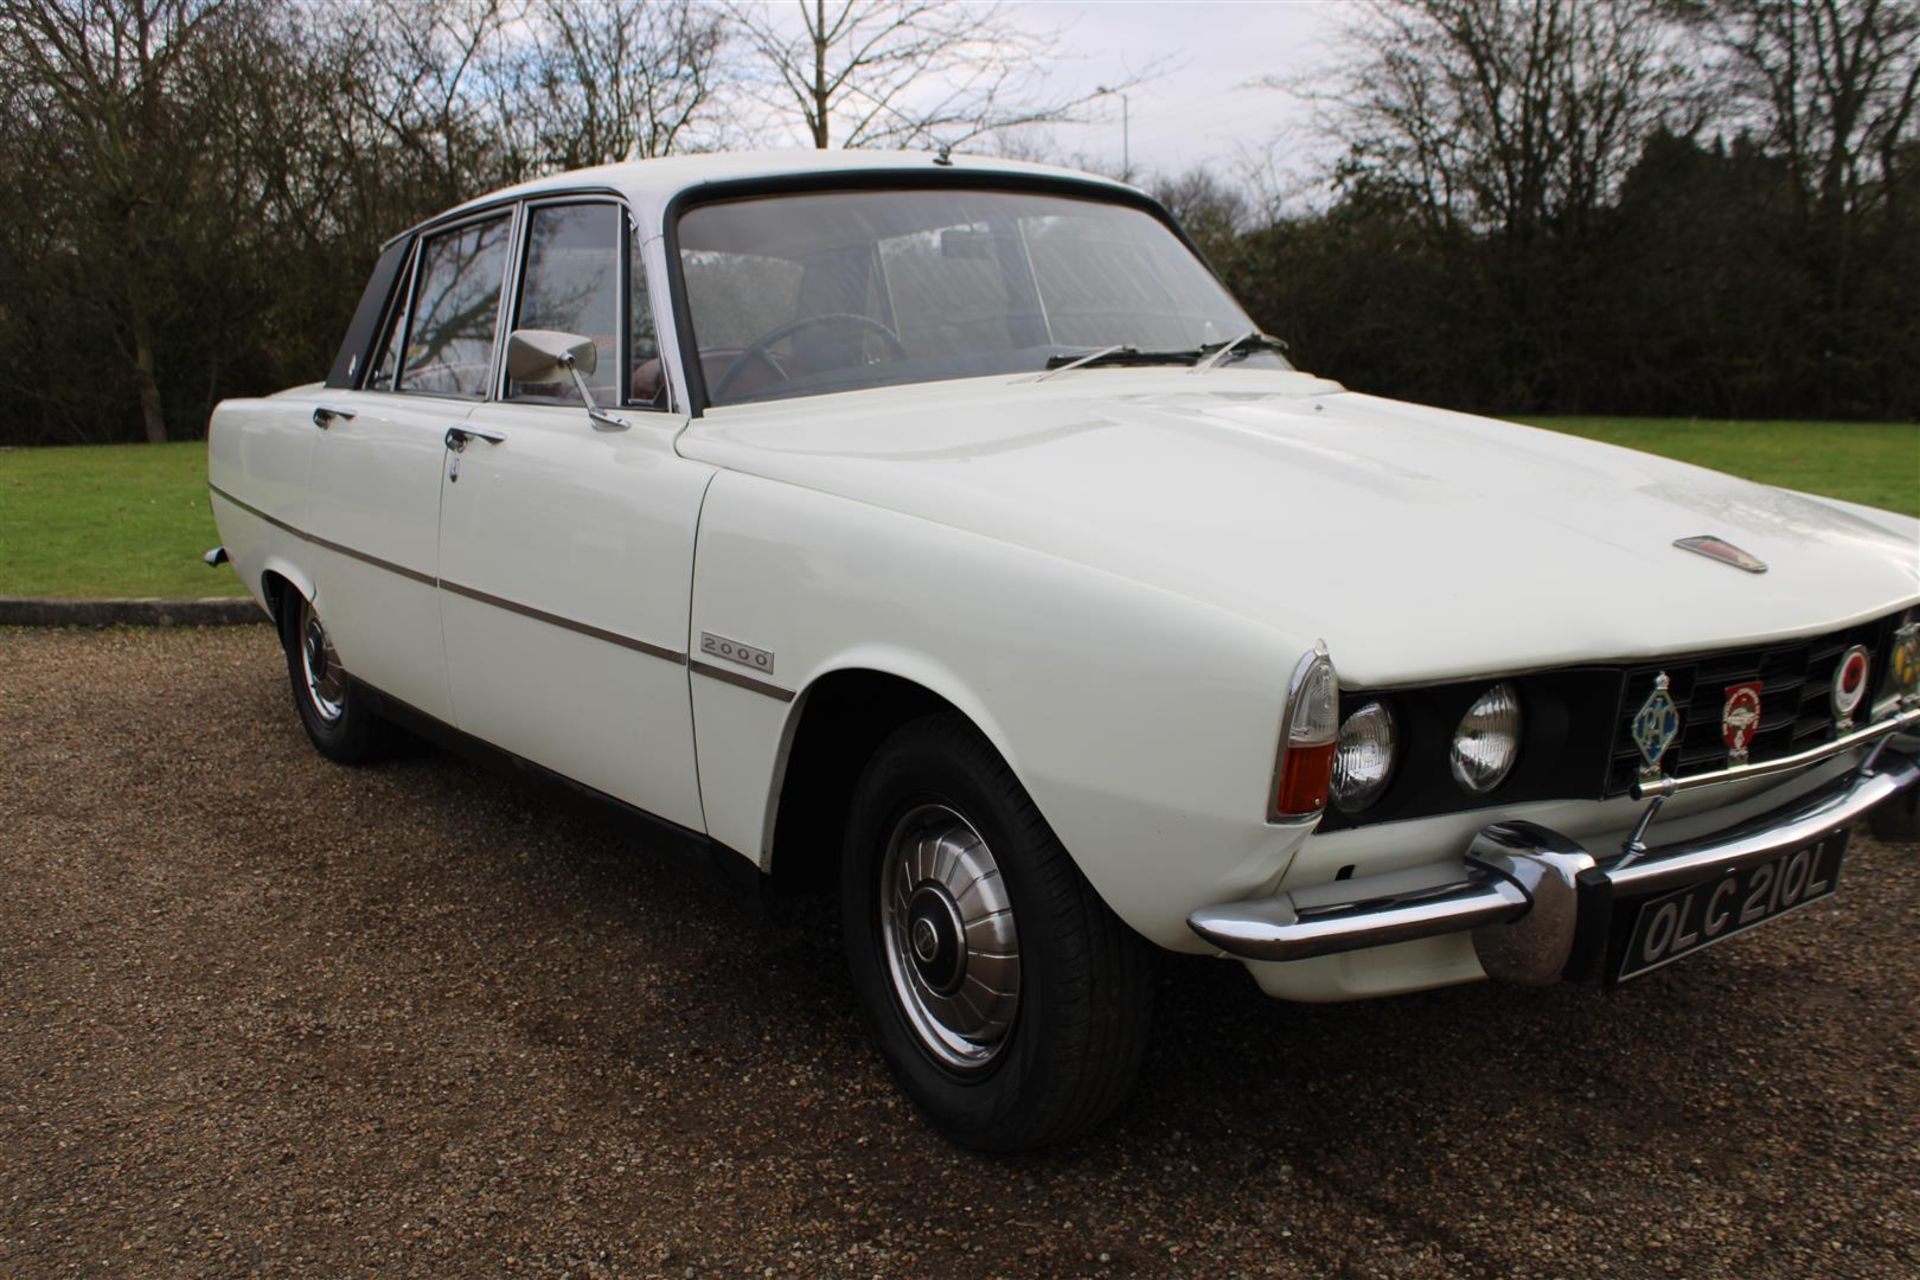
(1531, 897)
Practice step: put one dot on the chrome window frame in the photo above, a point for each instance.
(496, 359)
(509, 315)
(632, 238)
(502, 385)
(661, 285)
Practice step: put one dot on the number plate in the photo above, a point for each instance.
(1681, 923)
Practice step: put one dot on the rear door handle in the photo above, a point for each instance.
(323, 415)
(457, 437)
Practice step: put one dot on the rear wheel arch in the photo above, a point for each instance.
(280, 583)
(276, 589)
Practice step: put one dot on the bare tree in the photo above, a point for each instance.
(113, 72)
(1507, 114)
(417, 72)
(873, 73)
(601, 80)
(1835, 84)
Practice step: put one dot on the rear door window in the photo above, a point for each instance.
(456, 304)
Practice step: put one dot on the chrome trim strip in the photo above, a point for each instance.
(412, 575)
(1785, 764)
(498, 602)
(251, 510)
(734, 678)
(425, 579)
(564, 623)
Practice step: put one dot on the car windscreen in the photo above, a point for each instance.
(837, 290)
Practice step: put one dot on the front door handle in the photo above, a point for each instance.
(457, 437)
(323, 415)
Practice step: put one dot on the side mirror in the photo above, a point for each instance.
(546, 356)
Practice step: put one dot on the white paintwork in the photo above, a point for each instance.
(376, 488)
(257, 450)
(596, 527)
(1143, 723)
(1420, 544)
(1110, 573)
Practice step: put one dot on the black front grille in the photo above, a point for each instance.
(1796, 709)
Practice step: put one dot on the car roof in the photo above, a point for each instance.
(650, 185)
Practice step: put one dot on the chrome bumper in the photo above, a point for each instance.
(1538, 905)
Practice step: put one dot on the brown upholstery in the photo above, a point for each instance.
(647, 386)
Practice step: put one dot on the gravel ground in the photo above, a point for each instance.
(264, 1014)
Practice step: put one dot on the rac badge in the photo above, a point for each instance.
(1655, 726)
(1849, 686)
(1740, 720)
(1725, 552)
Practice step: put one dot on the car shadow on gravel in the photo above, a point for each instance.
(1660, 1104)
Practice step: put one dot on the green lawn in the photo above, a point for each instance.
(108, 520)
(1871, 462)
(132, 520)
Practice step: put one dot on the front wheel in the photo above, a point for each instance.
(1011, 1004)
(337, 722)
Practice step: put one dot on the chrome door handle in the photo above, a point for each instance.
(457, 437)
(323, 415)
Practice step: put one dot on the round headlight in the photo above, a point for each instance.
(1488, 740)
(1363, 758)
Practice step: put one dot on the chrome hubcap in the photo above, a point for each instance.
(326, 678)
(947, 928)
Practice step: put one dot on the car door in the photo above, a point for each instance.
(374, 497)
(566, 550)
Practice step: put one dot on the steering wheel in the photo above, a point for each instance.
(757, 349)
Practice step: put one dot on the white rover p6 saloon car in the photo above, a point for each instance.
(942, 531)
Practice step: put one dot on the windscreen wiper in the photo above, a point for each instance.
(1203, 357)
(1119, 354)
(1245, 345)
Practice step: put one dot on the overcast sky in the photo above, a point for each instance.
(1201, 108)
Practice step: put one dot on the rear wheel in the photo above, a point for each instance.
(337, 722)
(1011, 1004)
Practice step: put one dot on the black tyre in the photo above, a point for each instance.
(1897, 820)
(340, 727)
(1011, 1004)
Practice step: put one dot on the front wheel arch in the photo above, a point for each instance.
(839, 721)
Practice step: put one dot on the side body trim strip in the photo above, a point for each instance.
(566, 624)
(734, 678)
(760, 687)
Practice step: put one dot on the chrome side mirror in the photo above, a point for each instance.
(546, 356)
